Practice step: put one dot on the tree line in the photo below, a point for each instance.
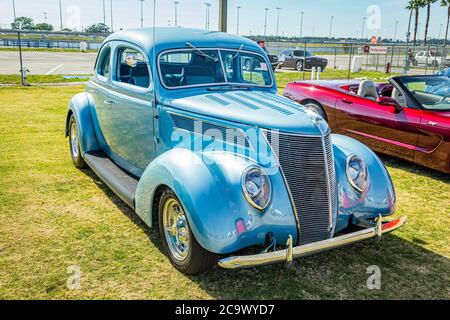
(26, 23)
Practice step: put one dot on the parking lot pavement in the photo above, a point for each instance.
(70, 63)
(48, 63)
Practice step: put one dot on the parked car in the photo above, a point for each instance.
(445, 73)
(301, 59)
(408, 117)
(208, 151)
(430, 59)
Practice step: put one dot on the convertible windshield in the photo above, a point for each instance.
(432, 92)
(201, 67)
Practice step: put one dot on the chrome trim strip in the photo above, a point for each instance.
(327, 173)
(311, 248)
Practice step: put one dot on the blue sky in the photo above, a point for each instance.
(348, 15)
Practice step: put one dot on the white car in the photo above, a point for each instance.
(430, 59)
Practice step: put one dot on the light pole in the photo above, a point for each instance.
(440, 32)
(45, 16)
(176, 12)
(60, 15)
(395, 31)
(14, 9)
(301, 23)
(111, 7)
(104, 13)
(265, 22)
(237, 26)
(363, 25)
(331, 25)
(142, 13)
(278, 18)
(207, 5)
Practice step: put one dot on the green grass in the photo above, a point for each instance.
(31, 79)
(55, 216)
(284, 77)
(46, 49)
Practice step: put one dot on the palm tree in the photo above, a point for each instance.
(427, 3)
(410, 7)
(446, 3)
(415, 6)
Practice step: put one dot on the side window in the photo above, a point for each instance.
(132, 68)
(104, 65)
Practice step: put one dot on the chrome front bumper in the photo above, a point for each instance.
(290, 253)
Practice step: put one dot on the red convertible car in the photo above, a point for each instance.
(408, 117)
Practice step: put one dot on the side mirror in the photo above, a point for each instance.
(387, 101)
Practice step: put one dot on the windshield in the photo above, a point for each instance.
(201, 67)
(433, 93)
(301, 53)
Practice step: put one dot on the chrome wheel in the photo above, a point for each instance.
(299, 66)
(312, 108)
(176, 229)
(74, 140)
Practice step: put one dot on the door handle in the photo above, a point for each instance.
(109, 102)
(432, 123)
(347, 101)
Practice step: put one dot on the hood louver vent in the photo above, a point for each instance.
(230, 135)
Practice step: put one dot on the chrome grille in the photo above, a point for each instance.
(308, 166)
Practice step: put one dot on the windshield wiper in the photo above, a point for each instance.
(236, 54)
(229, 87)
(200, 52)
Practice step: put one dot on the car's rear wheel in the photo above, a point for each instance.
(299, 65)
(183, 250)
(316, 108)
(74, 144)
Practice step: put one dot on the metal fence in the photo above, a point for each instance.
(74, 54)
(388, 58)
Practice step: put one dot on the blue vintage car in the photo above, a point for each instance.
(196, 141)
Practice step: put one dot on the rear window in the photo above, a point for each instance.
(132, 68)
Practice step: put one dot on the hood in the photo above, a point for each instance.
(256, 108)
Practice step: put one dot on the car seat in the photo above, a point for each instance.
(399, 97)
(367, 90)
(139, 76)
(193, 75)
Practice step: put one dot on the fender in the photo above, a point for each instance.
(209, 187)
(80, 107)
(379, 198)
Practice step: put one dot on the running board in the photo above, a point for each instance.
(120, 182)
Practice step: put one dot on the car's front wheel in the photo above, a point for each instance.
(316, 108)
(299, 65)
(183, 250)
(74, 144)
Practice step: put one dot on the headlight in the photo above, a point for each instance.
(357, 173)
(256, 186)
